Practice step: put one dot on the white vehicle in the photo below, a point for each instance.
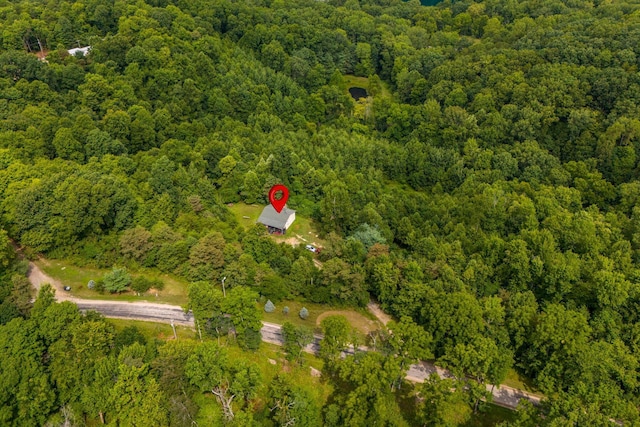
(311, 248)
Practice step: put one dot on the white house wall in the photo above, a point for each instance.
(292, 218)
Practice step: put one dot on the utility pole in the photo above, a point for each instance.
(224, 294)
(175, 336)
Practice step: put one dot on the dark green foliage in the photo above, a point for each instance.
(128, 336)
(206, 257)
(497, 158)
(157, 284)
(136, 243)
(141, 284)
(249, 339)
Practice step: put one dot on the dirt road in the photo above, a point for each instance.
(375, 309)
(38, 278)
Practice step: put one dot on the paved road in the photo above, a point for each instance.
(139, 311)
(271, 332)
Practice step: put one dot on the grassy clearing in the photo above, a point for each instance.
(303, 228)
(153, 330)
(406, 398)
(174, 292)
(361, 320)
(294, 308)
(363, 82)
(515, 380)
(163, 331)
(357, 320)
(247, 215)
(490, 415)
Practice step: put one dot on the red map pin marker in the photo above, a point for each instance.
(278, 204)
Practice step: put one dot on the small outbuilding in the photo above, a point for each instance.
(277, 223)
(83, 50)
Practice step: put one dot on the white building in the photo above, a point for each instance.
(84, 50)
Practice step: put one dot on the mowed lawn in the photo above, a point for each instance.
(361, 321)
(154, 330)
(174, 292)
(302, 229)
(491, 415)
(515, 380)
(247, 215)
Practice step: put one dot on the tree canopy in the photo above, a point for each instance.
(484, 193)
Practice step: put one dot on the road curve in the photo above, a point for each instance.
(271, 332)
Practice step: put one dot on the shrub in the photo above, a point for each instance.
(304, 313)
(285, 310)
(250, 339)
(157, 284)
(269, 307)
(91, 284)
(140, 284)
(117, 280)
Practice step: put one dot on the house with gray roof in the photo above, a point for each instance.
(277, 223)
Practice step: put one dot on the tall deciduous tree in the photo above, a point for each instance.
(210, 369)
(443, 402)
(292, 404)
(296, 338)
(409, 342)
(337, 331)
(240, 304)
(366, 396)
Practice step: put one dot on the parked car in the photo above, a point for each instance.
(67, 288)
(311, 248)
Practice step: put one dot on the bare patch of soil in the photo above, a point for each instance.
(375, 309)
(38, 278)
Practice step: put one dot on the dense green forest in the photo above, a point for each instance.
(485, 194)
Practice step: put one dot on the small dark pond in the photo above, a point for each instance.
(357, 92)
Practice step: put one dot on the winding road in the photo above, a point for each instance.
(272, 333)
